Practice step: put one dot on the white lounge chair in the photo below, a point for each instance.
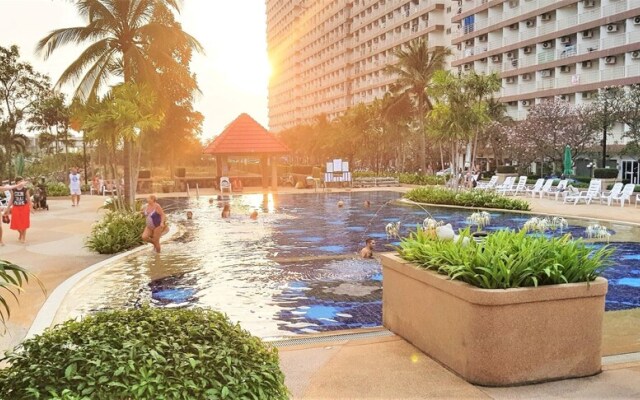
(556, 191)
(593, 192)
(225, 184)
(625, 194)
(609, 196)
(544, 189)
(506, 185)
(536, 187)
(520, 187)
(488, 185)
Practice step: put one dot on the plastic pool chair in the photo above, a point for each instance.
(625, 194)
(555, 191)
(506, 185)
(536, 187)
(225, 184)
(544, 189)
(520, 187)
(609, 196)
(593, 192)
(488, 185)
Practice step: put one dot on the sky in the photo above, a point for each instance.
(232, 74)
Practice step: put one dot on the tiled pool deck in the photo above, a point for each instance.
(373, 368)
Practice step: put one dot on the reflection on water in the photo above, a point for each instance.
(295, 269)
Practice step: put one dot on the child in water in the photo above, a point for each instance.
(226, 211)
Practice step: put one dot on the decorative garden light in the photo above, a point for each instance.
(480, 218)
(597, 231)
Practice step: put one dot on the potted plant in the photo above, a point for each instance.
(513, 309)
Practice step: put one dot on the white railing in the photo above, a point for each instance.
(545, 84)
(564, 23)
(546, 56)
(610, 73)
(613, 40)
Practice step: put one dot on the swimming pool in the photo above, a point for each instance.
(295, 269)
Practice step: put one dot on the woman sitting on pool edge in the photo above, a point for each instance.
(156, 222)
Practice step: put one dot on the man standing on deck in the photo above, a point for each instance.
(74, 186)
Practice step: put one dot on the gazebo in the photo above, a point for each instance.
(244, 137)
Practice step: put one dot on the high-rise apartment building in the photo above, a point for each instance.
(546, 49)
(328, 55)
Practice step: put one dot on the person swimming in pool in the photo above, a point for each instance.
(254, 215)
(226, 211)
(155, 222)
(367, 250)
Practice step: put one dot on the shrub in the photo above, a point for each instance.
(508, 259)
(404, 177)
(149, 353)
(56, 189)
(467, 198)
(506, 169)
(117, 231)
(605, 173)
(583, 179)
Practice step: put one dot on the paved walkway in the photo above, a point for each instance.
(383, 368)
(54, 251)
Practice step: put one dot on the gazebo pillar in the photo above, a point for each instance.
(274, 174)
(264, 168)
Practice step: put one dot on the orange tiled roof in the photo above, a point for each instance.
(245, 136)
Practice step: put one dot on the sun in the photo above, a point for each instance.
(248, 72)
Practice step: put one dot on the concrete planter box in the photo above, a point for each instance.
(496, 337)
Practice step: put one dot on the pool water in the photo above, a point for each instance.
(295, 270)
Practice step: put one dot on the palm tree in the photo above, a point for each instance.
(12, 280)
(481, 88)
(120, 33)
(416, 64)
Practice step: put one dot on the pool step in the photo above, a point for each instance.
(340, 337)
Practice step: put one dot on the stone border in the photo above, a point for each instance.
(613, 221)
(52, 304)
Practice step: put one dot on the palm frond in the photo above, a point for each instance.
(88, 56)
(96, 76)
(76, 35)
(12, 280)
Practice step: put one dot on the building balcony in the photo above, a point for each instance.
(566, 81)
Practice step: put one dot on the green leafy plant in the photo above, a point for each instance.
(117, 203)
(12, 279)
(406, 178)
(507, 259)
(468, 198)
(117, 231)
(147, 353)
(56, 189)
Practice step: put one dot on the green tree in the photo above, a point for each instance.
(124, 115)
(50, 118)
(416, 64)
(481, 89)
(630, 114)
(121, 34)
(20, 89)
(455, 115)
(605, 112)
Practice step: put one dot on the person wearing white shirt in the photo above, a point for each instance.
(74, 186)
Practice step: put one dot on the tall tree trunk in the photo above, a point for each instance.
(423, 137)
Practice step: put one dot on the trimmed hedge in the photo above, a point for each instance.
(148, 353)
(506, 169)
(466, 198)
(605, 173)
